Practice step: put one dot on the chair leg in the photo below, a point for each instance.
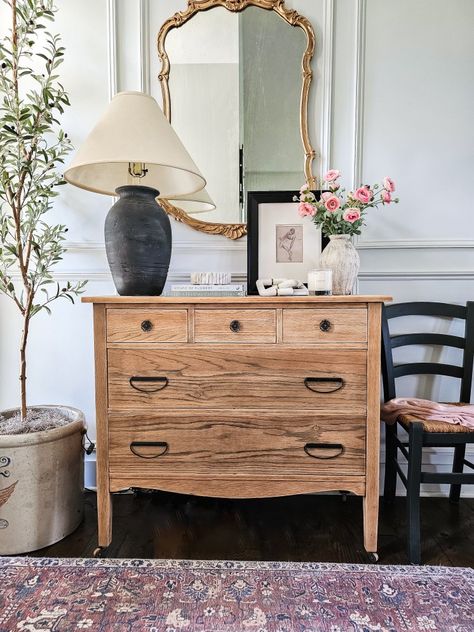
(390, 482)
(415, 439)
(458, 464)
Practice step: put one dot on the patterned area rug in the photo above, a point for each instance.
(171, 596)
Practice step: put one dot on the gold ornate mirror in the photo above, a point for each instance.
(235, 83)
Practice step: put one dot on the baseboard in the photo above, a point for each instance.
(433, 491)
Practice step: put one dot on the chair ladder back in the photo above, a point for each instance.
(466, 382)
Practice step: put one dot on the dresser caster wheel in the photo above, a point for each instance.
(373, 558)
(100, 552)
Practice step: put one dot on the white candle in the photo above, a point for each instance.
(320, 282)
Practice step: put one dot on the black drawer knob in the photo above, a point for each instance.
(147, 325)
(325, 325)
(235, 326)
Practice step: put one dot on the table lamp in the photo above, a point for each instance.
(134, 153)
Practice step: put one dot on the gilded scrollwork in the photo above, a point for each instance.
(293, 18)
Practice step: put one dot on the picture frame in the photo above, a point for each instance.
(280, 243)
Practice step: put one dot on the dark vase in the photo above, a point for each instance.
(138, 242)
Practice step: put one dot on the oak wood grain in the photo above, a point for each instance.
(125, 325)
(104, 500)
(235, 443)
(238, 486)
(254, 325)
(297, 301)
(371, 498)
(345, 325)
(238, 377)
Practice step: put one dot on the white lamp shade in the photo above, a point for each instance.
(133, 129)
(194, 203)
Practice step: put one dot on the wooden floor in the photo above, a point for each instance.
(299, 528)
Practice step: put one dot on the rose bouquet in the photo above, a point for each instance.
(339, 214)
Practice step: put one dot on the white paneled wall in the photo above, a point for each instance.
(392, 95)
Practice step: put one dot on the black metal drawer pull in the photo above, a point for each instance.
(337, 381)
(324, 446)
(234, 326)
(146, 325)
(325, 325)
(161, 381)
(149, 444)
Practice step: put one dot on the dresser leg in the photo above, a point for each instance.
(371, 516)
(104, 518)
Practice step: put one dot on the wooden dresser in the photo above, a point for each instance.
(238, 398)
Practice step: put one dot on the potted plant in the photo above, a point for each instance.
(41, 455)
(339, 217)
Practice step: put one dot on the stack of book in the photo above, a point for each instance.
(199, 289)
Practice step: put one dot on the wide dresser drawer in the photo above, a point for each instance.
(234, 443)
(273, 376)
(325, 325)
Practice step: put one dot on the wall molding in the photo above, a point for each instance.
(217, 245)
(145, 46)
(112, 47)
(416, 275)
(359, 90)
(401, 244)
(327, 86)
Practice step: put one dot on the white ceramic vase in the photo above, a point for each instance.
(41, 484)
(342, 258)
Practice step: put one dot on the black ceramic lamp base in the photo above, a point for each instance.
(138, 242)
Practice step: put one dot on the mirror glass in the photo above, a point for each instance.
(235, 86)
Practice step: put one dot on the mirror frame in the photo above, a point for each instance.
(293, 18)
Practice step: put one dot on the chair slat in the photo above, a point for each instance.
(427, 368)
(425, 309)
(444, 340)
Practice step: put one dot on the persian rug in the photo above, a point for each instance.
(174, 596)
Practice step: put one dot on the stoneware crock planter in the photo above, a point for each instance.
(342, 258)
(41, 484)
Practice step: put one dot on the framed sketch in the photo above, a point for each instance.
(280, 243)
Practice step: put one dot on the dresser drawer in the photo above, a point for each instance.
(237, 377)
(147, 325)
(235, 325)
(233, 443)
(323, 325)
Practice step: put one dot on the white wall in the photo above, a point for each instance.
(392, 95)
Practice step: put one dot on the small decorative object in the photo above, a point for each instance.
(41, 447)
(278, 245)
(133, 152)
(320, 282)
(339, 219)
(281, 287)
(211, 278)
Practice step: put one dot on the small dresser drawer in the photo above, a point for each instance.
(325, 325)
(147, 325)
(235, 325)
(235, 442)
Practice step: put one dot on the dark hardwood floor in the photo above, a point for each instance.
(299, 528)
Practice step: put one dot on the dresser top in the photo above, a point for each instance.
(234, 300)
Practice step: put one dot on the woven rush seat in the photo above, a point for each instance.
(434, 426)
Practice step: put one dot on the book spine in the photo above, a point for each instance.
(234, 287)
(205, 293)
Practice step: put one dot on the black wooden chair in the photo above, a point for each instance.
(422, 433)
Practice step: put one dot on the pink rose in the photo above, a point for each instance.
(386, 197)
(388, 184)
(326, 195)
(335, 186)
(351, 214)
(304, 188)
(305, 209)
(363, 194)
(332, 204)
(332, 174)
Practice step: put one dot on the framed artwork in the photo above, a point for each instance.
(280, 243)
